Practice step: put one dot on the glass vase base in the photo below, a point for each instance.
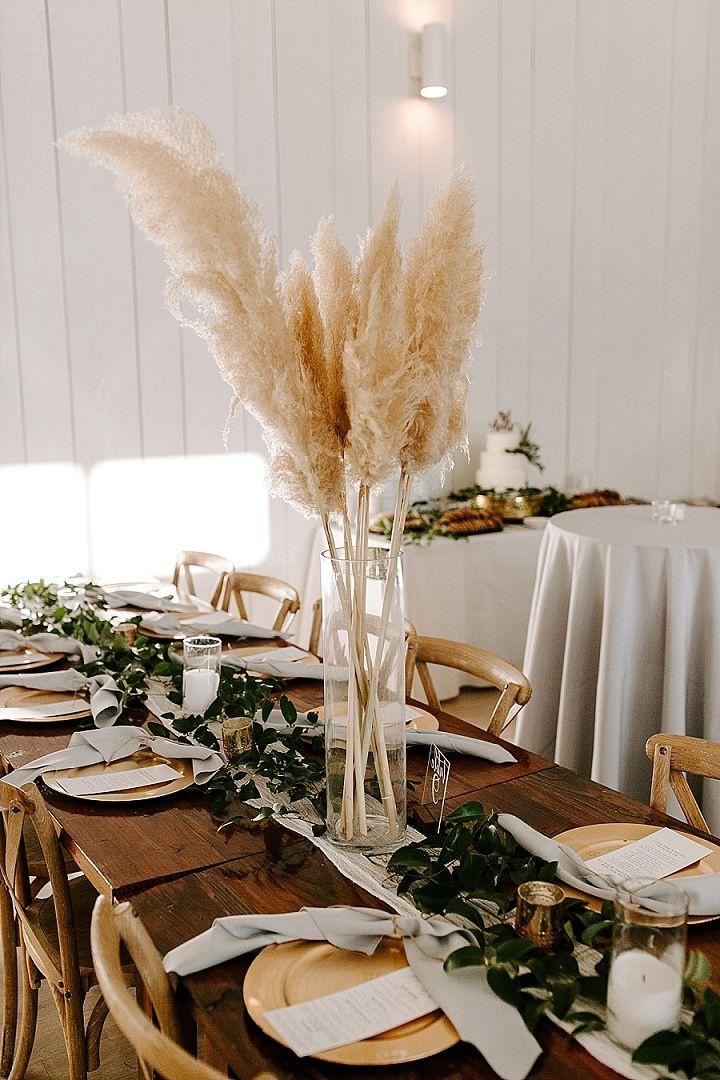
(376, 841)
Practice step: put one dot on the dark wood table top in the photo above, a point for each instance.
(291, 873)
(120, 846)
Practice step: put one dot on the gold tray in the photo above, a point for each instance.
(12, 697)
(590, 841)
(298, 971)
(425, 722)
(26, 660)
(140, 759)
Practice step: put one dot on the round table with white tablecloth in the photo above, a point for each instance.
(623, 642)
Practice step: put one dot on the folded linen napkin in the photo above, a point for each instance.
(481, 1018)
(10, 615)
(459, 744)
(214, 622)
(702, 890)
(279, 669)
(120, 598)
(105, 694)
(113, 744)
(48, 643)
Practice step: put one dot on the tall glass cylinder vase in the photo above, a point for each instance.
(364, 662)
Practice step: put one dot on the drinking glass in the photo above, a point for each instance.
(647, 961)
(201, 673)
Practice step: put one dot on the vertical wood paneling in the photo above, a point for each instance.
(395, 109)
(552, 219)
(255, 165)
(586, 313)
(593, 131)
(35, 236)
(200, 62)
(160, 358)
(684, 241)
(639, 45)
(305, 120)
(477, 145)
(516, 204)
(350, 118)
(84, 39)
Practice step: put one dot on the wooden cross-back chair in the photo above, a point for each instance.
(159, 1050)
(200, 560)
(372, 623)
(673, 756)
(513, 685)
(53, 934)
(235, 584)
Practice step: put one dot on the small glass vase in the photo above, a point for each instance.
(363, 645)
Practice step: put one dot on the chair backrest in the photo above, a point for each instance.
(22, 808)
(513, 686)
(372, 624)
(235, 584)
(158, 1048)
(203, 560)
(673, 756)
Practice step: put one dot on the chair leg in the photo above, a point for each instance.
(93, 1033)
(10, 984)
(70, 1012)
(28, 1023)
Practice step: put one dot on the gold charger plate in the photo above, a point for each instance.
(26, 660)
(298, 971)
(591, 841)
(425, 722)
(12, 697)
(140, 759)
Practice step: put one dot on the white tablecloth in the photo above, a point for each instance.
(623, 642)
(477, 591)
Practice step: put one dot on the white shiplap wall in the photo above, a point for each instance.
(592, 127)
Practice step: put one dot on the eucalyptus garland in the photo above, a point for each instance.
(471, 869)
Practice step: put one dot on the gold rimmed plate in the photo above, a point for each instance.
(591, 841)
(141, 759)
(299, 971)
(26, 659)
(18, 697)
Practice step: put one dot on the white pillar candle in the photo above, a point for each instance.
(644, 996)
(200, 687)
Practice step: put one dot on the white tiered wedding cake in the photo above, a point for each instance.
(499, 469)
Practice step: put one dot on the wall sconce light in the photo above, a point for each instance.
(429, 60)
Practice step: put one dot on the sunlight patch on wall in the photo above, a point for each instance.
(43, 521)
(144, 510)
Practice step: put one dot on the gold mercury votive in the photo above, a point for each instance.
(236, 735)
(539, 914)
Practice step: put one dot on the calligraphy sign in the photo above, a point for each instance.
(437, 775)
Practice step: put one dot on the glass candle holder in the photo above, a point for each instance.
(201, 673)
(647, 961)
(539, 913)
(236, 735)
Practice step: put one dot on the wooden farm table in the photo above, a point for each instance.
(119, 847)
(291, 873)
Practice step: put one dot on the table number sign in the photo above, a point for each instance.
(437, 775)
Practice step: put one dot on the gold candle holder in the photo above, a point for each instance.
(236, 735)
(129, 631)
(539, 914)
